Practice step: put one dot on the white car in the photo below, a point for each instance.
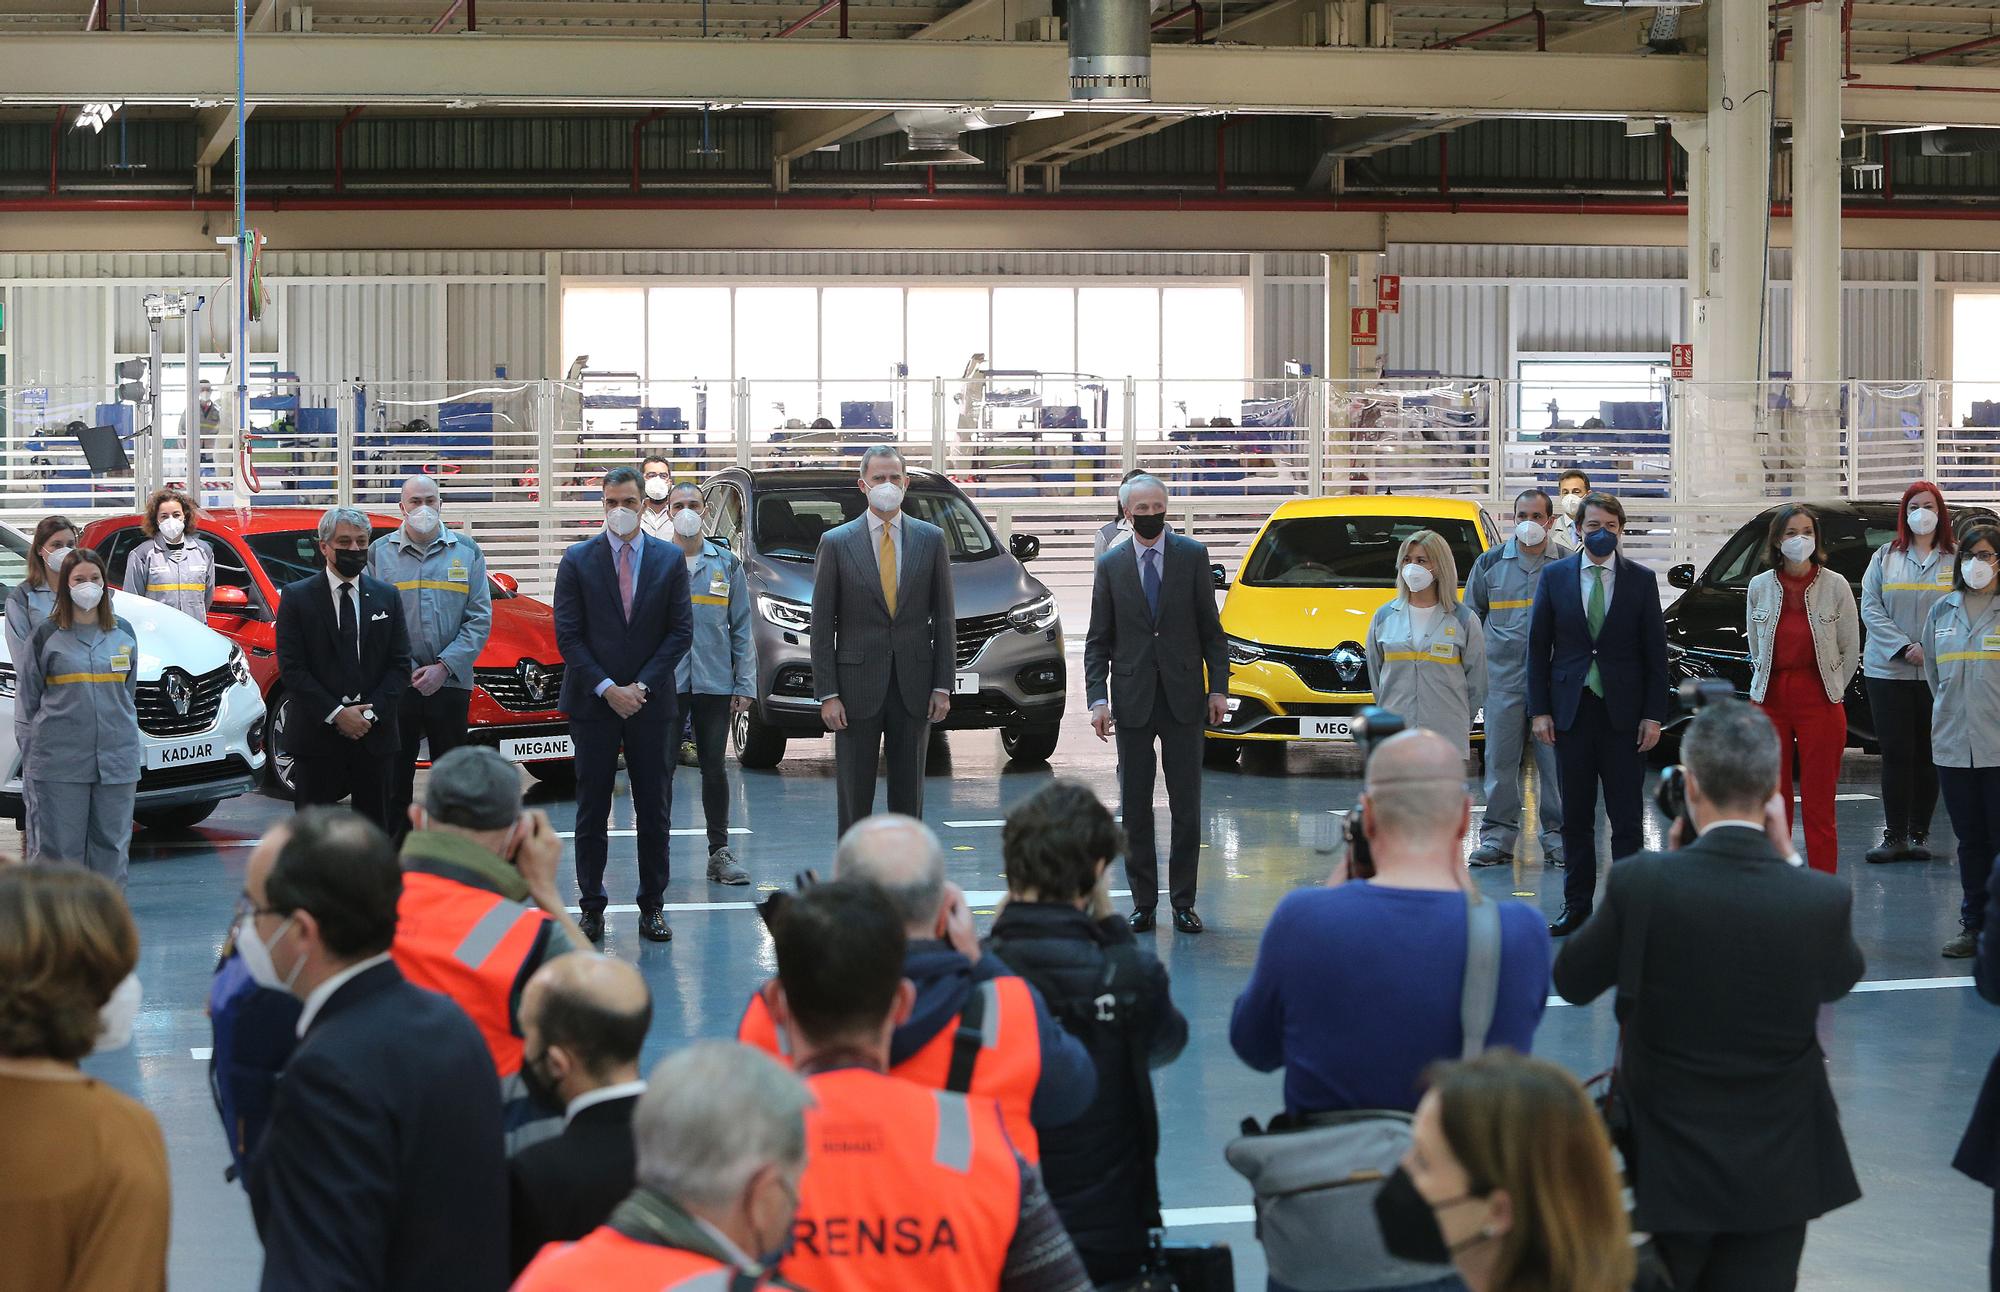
(201, 717)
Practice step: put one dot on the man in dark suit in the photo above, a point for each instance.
(344, 655)
(1979, 1148)
(1723, 953)
(583, 1018)
(883, 638)
(1154, 627)
(623, 621)
(1597, 691)
(381, 1165)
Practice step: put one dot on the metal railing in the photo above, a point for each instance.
(1039, 452)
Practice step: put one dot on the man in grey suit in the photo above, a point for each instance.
(1154, 627)
(882, 641)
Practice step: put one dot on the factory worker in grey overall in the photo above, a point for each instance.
(172, 566)
(79, 683)
(1426, 651)
(1501, 591)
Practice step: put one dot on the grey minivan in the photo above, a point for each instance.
(1010, 668)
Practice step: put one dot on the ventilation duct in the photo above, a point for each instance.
(932, 134)
(1110, 50)
(1958, 141)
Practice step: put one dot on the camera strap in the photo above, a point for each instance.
(1480, 992)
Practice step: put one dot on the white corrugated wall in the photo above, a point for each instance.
(374, 332)
(57, 337)
(491, 325)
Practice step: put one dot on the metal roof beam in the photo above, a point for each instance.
(554, 72)
(1080, 134)
(1914, 95)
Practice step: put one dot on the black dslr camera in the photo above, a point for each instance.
(1374, 725)
(1670, 795)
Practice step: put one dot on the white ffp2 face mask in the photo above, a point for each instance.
(256, 955)
(1922, 520)
(886, 497)
(657, 488)
(622, 521)
(1798, 548)
(86, 596)
(1416, 578)
(116, 1017)
(422, 521)
(1571, 503)
(687, 522)
(1978, 574)
(1530, 533)
(172, 528)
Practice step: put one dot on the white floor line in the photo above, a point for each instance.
(200, 1053)
(1886, 984)
(974, 825)
(1186, 1217)
(978, 899)
(689, 832)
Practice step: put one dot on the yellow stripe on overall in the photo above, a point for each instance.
(69, 679)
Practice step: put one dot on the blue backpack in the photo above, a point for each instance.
(254, 1036)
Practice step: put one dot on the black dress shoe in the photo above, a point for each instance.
(1568, 922)
(1916, 850)
(1186, 920)
(1141, 920)
(653, 926)
(592, 924)
(1895, 846)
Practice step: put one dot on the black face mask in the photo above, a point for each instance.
(540, 1089)
(349, 562)
(1409, 1224)
(1150, 526)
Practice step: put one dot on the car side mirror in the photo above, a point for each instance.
(1219, 575)
(1681, 576)
(231, 601)
(1025, 547)
(507, 583)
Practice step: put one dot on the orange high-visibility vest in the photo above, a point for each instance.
(1006, 1068)
(905, 1188)
(605, 1260)
(473, 946)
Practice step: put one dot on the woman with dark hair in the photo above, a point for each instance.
(172, 566)
(79, 683)
(1905, 578)
(1804, 635)
(1961, 642)
(83, 1170)
(30, 600)
(1058, 931)
(1509, 1178)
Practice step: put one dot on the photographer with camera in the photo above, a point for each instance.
(1723, 952)
(1361, 984)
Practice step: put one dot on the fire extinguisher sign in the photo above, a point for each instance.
(1361, 327)
(1683, 362)
(1389, 293)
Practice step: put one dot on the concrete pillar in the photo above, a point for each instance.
(1815, 293)
(1739, 141)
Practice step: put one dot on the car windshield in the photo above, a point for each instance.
(1850, 540)
(1348, 551)
(13, 556)
(787, 523)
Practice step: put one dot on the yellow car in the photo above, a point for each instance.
(1297, 616)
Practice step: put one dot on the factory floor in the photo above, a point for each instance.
(1907, 1052)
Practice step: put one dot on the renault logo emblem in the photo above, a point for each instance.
(1348, 661)
(179, 693)
(534, 680)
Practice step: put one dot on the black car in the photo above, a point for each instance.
(1705, 627)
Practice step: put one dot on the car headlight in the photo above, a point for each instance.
(7, 686)
(1244, 652)
(795, 616)
(1033, 616)
(239, 668)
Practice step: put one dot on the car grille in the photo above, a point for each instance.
(1317, 671)
(511, 693)
(159, 715)
(174, 778)
(973, 634)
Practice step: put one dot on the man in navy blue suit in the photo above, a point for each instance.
(1597, 689)
(623, 621)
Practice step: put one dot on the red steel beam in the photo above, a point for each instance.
(637, 127)
(55, 145)
(1540, 19)
(340, 146)
(815, 16)
(1965, 48)
(471, 16)
(1200, 19)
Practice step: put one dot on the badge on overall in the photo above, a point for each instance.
(1443, 650)
(718, 585)
(122, 661)
(457, 572)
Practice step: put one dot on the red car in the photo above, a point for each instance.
(516, 679)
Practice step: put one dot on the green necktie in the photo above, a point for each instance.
(1595, 612)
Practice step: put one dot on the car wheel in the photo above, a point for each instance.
(1030, 744)
(185, 817)
(1223, 755)
(553, 773)
(279, 779)
(759, 745)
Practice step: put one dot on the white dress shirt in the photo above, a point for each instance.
(1610, 567)
(660, 524)
(324, 992)
(895, 524)
(334, 584)
(601, 1095)
(618, 545)
(1139, 549)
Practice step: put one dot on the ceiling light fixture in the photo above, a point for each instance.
(96, 116)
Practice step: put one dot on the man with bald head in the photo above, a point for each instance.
(585, 1018)
(448, 609)
(976, 1027)
(1357, 983)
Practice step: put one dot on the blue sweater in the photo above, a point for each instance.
(1356, 992)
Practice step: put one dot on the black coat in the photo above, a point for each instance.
(315, 676)
(1734, 1125)
(1100, 1168)
(1979, 1150)
(567, 1186)
(381, 1168)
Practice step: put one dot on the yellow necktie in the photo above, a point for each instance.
(889, 569)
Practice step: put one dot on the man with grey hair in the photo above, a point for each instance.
(721, 1140)
(448, 609)
(883, 637)
(1154, 625)
(344, 657)
(1357, 985)
(1742, 947)
(1042, 1077)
